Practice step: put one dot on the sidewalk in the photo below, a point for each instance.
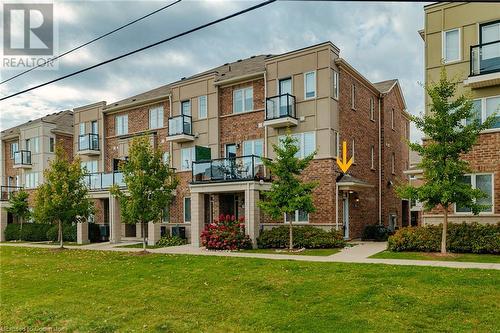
(359, 253)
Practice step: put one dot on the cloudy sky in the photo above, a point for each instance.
(378, 39)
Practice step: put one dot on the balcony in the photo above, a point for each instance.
(484, 65)
(22, 159)
(6, 192)
(180, 129)
(88, 144)
(233, 169)
(280, 111)
(102, 181)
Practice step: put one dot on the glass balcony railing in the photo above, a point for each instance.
(485, 58)
(101, 180)
(22, 157)
(180, 125)
(6, 192)
(280, 106)
(88, 141)
(229, 169)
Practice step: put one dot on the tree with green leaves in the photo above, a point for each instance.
(62, 199)
(451, 129)
(288, 192)
(19, 207)
(149, 185)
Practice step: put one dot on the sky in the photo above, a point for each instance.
(379, 39)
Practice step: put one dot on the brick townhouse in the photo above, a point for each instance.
(465, 39)
(213, 128)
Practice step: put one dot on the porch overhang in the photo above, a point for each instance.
(228, 187)
(349, 183)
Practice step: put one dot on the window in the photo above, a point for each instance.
(254, 147)
(243, 100)
(392, 118)
(353, 97)
(306, 142)
(156, 117)
(165, 216)
(94, 128)
(186, 108)
(82, 128)
(451, 45)
(483, 182)
(121, 124)
(36, 145)
(187, 158)
(14, 147)
(335, 85)
(202, 107)
(89, 166)
(52, 143)
(353, 150)
(27, 144)
(393, 163)
(485, 107)
(31, 179)
(309, 85)
(187, 209)
(372, 109)
(166, 158)
(297, 217)
(372, 157)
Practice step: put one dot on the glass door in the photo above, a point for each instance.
(490, 54)
(285, 87)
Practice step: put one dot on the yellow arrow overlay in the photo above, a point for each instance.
(344, 165)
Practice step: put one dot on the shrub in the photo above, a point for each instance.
(32, 232)
(227, 233)
(69, 233)
(170, 241)
(461, 238)
(308, 237)
(375, 232)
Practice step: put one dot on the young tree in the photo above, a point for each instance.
(62, 198)
(19, 207)
(451, 130)
(150, 183)
(288, 192)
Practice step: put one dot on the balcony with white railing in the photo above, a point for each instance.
(280, 111)
(22, 159)
(484, 65)
(180, 129)
(88, 144)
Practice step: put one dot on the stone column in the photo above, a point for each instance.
(3, 223)
(115, 220)
(138, 230)
(197, 217)
(154, 233)
(252, 215)
(82, 233)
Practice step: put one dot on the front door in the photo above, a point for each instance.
(406, 212)
(346, 215)
(227, 205)
(230, 150)
(285, 87)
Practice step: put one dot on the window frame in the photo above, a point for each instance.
(200, 98)
(192, 156)
(393, 163)
(82, 128)
(184, 210)
(124, 121)
(372, 157)
(12, 151)
(335, 85)
(52, 144)
(483, 111)
(353, 96)
(353, 150)
(244, 91)
(158, 110)
(372, 109)
(301, 142)
(443, 46)
(315, 85)
(473, 185)
(296, 218)
(393, 120)
(181, 111)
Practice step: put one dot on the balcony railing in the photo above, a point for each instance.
(6, 192)
(88, 141)
(485, 58)
(280, 106)
(22, 157)
(229, 169)
(179, 125)
(101, 180)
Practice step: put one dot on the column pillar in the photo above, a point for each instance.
(154, 233)
(138, 230)
(3, 223)
(252, 215)
(115, 220)
(82, 233)
(197, 214)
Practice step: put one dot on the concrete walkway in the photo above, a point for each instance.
(359, 252)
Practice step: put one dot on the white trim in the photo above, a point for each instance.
(372, 109)
(473, 184)
(315, 85)
(205, 97)
(335, 88)
(443, 46)
(159, 110)
(243, 91)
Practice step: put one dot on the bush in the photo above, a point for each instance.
(69, 233)
(375, 232)
(461, 238)
(227, 233)
(308, 237)
(32, 232)
(170, 241)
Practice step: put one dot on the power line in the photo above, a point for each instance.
(262, 4)
(93, 40)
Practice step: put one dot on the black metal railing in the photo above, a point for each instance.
(180, 125)
(22, 157)
(485, 58)
(229, 169)
(102, 180)
(88, 141)
(6, 192)
(280, 106)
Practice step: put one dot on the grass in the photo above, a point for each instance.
(306, 252)
(462, 257)
(97, 291)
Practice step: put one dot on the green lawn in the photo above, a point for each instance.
(94, 291)
(463, 257)
(306, 252)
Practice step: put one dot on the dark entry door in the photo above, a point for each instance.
(227, 204)
(406, 213)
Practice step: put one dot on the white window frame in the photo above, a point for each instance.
(443, 46)
(473, 184)
(35, 145)
(159, 113)
(301, 142)
(372, 109)
(315, 85)
(12, 151)
(392, 118)
(82, 128)
(52, 144)
(296, 218)
(192, 158)
(124, 124)
(184, 210)
(244, 92)
(353, 150)
(181, 111)
(31, 179)
(202, 114)
(483, 112)
(335, 85)
(372, 157)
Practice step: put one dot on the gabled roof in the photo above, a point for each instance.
(385, 86)
(63, 121)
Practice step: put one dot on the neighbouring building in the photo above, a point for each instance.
(465, 39)
(27, 150)
(214, 127)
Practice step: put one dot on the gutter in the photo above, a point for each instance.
(136, 103)
(240, 78)
(380, 159)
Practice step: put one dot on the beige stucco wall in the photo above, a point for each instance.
(87, 114)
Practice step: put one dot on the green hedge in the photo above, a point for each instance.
(308, 237)
(170, 241)
(32, 232)
(69, 233)
(461, 238)
(375, 232)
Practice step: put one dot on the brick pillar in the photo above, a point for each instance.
(82, 233)
(3, 223)
(252, 215)
(115, 220)
(197, 217)
(154, 233)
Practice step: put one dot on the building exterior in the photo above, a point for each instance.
(214, 127)
(465, 38)
(27, 150)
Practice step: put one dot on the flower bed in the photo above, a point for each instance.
(228, 233)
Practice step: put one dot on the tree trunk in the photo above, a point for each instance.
(143, 226)
(60, 234)
(445, 231)
(21, 229)
(290, 241)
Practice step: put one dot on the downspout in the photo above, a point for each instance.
(171, 144)
(380, 160)
(265, 103)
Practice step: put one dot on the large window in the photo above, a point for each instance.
(31, 179)
(36, 145)
(187, 158)
(187, 209)
(485, 107)
(121, 124)
(14, 147)
(186, 108)
(335, 85)
(306, 142)
(82, 128)
(298, 217)
(89, 166)
(254, 147)
(309, 85)
(243, 100)
(483, 182)
(451, 45)
(156, 117)
(202, 107)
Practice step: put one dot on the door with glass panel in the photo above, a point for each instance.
(284, 87)
(229, 168)
(490, 51)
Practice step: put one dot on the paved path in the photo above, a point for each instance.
(358, 253)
